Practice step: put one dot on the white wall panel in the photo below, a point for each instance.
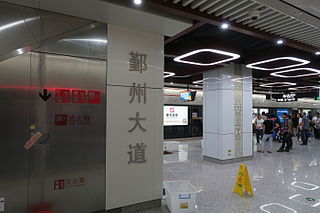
(133, 183)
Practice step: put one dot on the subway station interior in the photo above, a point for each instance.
(160, 106)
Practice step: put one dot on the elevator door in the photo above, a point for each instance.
(61, 98)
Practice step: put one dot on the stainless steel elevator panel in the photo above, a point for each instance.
(14, 117)
(67, 166)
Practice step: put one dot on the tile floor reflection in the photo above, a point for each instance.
(282, 182)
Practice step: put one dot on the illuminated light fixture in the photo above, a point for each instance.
(233, 56)
(198, 82)
(137, 2)
(299, 60)
(280, 74)
(16, 23)
(280, 41)
(317, 53)
(171, 83)
(225, 26)
(305, 88)
(280, 84)
(168, 74)
(96, 40)
(20, 51)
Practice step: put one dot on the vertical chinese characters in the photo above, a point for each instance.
(137, 94)
(138, 62)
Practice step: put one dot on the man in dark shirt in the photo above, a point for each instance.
(286, 131)
(268, 127)
(305, 126)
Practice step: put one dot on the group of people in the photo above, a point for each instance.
(269, 128)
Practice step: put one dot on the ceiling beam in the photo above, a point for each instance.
(187, 12)
(185, 32)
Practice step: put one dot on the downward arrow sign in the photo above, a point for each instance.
(45, 96)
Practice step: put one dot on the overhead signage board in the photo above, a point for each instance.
(175, 115)
(289, 97)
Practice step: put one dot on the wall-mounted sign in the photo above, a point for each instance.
(32, 140)
(72, 119)
(282, 97)
(280, 112)
(77, 96)
(175, 115)
(61, 184)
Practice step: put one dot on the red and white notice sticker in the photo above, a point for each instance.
(32, 140)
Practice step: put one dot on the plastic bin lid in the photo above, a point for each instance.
(180, 186)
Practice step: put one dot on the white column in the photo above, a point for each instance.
(138, 180)
(227, 104)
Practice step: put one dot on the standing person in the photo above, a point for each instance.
(309, 115)
(277, 125)
(290, 132)
(259, 128)
(295, 124)
(286, 130)
(305, 126)
(268, 127)
(299, 127)
(316, 125)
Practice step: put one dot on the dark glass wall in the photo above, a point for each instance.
(194, 127)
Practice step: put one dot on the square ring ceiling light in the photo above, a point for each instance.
(281, 74)
(168, 74)
(299, 61)
(233, 56)
(198, 82)
(307, 88)
(278, 84)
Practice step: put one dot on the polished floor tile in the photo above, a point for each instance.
(282, 182)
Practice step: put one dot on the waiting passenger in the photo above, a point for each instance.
(286, 130)
(259, 128)
(316, 125)
(299, 127)
(268, 127)
(295, 124)
(305, 126)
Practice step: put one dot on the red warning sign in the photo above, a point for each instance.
(77, 96)
(32, 140)
(61, 184)
(67, 119)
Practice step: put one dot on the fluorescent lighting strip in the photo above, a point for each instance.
(284, 84)
(168, 74)
(304, 88)
(278, 73)
(299, 60)
(198, 82)
(220, 52)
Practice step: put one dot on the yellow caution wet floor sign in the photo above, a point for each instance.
(243, 182)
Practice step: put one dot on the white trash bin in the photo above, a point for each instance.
(181, 196)
(171, 146)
